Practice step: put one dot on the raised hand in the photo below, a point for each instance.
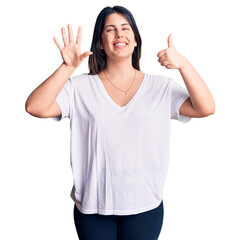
(71, 52)
(170, 57)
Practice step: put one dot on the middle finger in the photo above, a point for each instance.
(70, 33)
(163, 58)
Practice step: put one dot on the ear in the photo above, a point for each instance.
(135, 44)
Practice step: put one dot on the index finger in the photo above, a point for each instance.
(161, 53)
(79, 35)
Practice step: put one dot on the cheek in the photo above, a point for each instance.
(106, 41)
(131, 37)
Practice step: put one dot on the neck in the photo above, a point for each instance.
(120, 69)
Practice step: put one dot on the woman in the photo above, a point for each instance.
(120, 125)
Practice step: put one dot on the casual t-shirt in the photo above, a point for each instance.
(120, 155)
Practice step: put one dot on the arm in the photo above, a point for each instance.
(200, 103)
(42, 101)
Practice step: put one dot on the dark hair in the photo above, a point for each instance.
(97, 61)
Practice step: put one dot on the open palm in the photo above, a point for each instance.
(71, 52)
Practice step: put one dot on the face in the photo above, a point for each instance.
(118, 30)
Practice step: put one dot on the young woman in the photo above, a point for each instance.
(120, 125)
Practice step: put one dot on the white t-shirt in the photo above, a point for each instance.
(120, 155)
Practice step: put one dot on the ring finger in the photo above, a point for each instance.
(164, 63)
(64, 36)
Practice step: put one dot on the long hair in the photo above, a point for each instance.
(98, 60)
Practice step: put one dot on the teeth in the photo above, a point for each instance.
(120, 44)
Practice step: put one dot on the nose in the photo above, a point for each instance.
(119, 33)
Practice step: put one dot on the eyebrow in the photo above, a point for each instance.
(111, 25)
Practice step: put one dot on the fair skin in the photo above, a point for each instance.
(201, 102)
(119, 60)
(119, 69)
(41, 102)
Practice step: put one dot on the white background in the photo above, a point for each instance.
(201, 195)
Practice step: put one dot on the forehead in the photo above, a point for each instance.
(115, 19)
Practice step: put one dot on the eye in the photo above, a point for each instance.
(114, 29)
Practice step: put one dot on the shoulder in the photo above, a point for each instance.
(159, 79)
(81, 79)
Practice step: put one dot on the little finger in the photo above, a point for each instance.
(58, 43)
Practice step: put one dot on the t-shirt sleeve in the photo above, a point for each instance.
(178, 96)
(63, 100)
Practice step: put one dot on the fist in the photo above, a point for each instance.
(170, 57)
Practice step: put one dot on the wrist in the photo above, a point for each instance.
(67, 67)
(185, 65)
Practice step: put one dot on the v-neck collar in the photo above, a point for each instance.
(110, 100)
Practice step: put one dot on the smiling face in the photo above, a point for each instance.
(118, 37)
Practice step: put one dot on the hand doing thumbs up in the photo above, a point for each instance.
(170, 57)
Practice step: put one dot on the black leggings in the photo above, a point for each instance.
(142, 226)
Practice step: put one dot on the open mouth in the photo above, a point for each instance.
(120, 45)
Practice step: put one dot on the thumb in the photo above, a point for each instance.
(170, 41)
(84, 55)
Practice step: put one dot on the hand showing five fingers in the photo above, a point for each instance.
(71, 52)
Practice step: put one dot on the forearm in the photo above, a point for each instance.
(201, 97)
(42, 98)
